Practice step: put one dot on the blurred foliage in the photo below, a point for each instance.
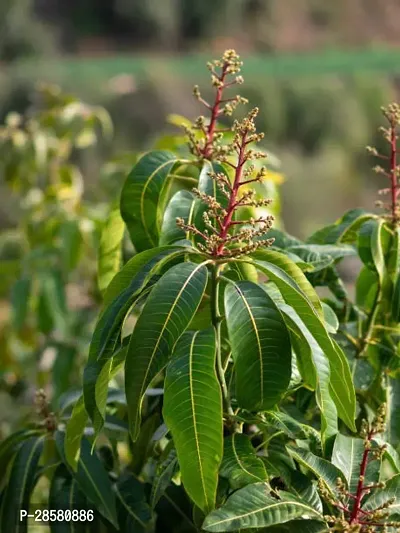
(49, 258)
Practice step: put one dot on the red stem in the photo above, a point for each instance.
(393, 170)
(227, 222)
(215, 111)
(360, 487)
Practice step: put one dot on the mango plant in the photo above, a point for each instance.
(217, 395)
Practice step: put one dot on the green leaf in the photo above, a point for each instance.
(143, 195)
(20, 295)
(10, 445)
(193, 413)
(134, 513)
(347, 456)
(163, 477)
(92, 478)
(181, 205)
(344, 230)
(240, 464)
(21, 482)
(65, 495)
(321, 468)
(383, 496)
(341, 384)
(79, 418)
(52, 302)
(313, 364)
(74, 432)
(396, 301)
(253, 507)
(287, 266)
(392, 434)
(331, 320)
(305, 490)
(260, 343)
(370, 246)
(110, 250)
(122, 293)
(70, 244)
(297, 526)
(165, 316)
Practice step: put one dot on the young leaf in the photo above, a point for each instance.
(92, 478)
(65, 495)
(193, 413)
(142, 198)
(181, 205)
(341, 384)
(20, 485)
(253, 507)
(110, 250)
(164, 318)
(260, 346)
(240, 464)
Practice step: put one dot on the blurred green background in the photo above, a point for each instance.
(319, 70)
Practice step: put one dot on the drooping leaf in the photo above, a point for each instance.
(181, 205)
(253, 507)
(260, 346)
(193, 413)
(10, 445)
(79, 417)
(92, 478)
(21, 482)
(341, 384)
(123, 291)
(164, 318)
(240, 464)
(143, 195)
(288, 267)
(134, 513)
(321, 468)
(110, 250)
(66, 495)
(311, 357)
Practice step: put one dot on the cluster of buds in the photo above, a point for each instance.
(351, 517)
(205, 138)
(48, 418)
(392, 170)
(221, 235)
